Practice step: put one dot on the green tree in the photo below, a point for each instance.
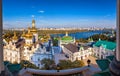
(47, 63)
(81, 40)
(77, 63)
(29, 64)
(55, 42)
(67, 64)
(113, 39)
(99, 36)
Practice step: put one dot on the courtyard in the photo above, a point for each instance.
(93, 61)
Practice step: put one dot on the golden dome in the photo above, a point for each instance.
(23, 35)
(33, 30)
(29, 34)
(14, 37)
(29, 45)
(33, 21)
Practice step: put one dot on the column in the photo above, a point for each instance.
(115, 64)
(118, 31)
(1, 45)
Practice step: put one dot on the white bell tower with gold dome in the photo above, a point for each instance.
(28, 37)
(34, 31)
(14, 39)
(33, 23)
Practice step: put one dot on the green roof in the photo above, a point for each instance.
(14, 67)
(106, 44)
(67, 38)
(103, 64)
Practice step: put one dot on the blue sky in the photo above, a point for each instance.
(59, 13)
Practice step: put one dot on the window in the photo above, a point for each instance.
(10, 54)
(38, 65)
(97, 54)
(5, 58)
(38, 59)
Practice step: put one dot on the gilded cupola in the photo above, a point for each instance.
(15, 37)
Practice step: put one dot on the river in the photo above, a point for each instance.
(79, 35)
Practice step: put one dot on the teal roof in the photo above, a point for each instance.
(106, 44)
(102, 74)
(67, 38)
(6, 62)
(14, 67)
(103, 64)
(110, 57)
(96, 74)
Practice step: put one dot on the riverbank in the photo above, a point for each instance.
(41, 32)
(82, 34)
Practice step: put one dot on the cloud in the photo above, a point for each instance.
(33, 16)
(108, 15)
(83, 19)
(41, 11)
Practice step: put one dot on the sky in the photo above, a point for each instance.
(59, 13)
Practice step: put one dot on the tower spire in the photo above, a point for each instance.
(33, 23)
(15, 36)
(14, 33)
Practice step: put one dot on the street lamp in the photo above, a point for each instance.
(58, 67)
(25, 64)
(88, 62)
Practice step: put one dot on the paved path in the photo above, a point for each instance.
(93, 61)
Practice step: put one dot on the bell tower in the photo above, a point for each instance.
(33, 23)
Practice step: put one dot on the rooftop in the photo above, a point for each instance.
(67, 38)
(103, 64)
(72, 47)
(106, 44)
(12, 67)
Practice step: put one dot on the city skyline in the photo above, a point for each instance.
(59, 13)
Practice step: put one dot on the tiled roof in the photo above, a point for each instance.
(19, 42)
(14, 67)
(6, 62)
(73, 48)
(85, 47)
(106, 44)
(110, 57)
(103, 64)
